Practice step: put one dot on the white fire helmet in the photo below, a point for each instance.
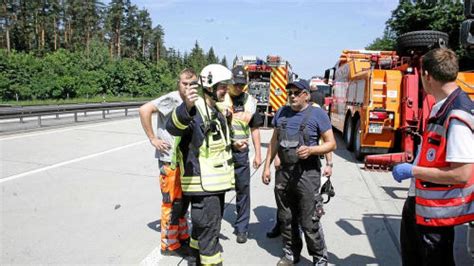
(215, 73)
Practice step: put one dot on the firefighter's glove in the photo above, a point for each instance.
(402, 171)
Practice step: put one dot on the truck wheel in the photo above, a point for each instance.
(357, 143)
(420, 40)
(348, 130)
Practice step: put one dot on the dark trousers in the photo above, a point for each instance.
(206, 216)
(409, 235)
(424, 245)
(297, 194)
(242, 189)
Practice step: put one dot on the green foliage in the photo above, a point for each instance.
(64, 74)
(444, 16)
(211, 57)
(62, 49)
(197, 59)
(385, 43)
(224, 62)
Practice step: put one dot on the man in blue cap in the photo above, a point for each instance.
(298, 128)
(245, 123)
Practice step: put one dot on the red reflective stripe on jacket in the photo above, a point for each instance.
(445, 221)
(443, 205)
(433, 154)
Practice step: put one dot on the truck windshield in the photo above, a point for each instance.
(325, 90)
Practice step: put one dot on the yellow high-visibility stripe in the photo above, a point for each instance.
(191, 183)
(176, 121)
(240, 130)
(193, 243)
(214, 259)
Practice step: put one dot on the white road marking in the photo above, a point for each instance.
(60, 130)
(153, 258)
(12, 177)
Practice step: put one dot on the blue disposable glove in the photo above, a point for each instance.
(402, 171)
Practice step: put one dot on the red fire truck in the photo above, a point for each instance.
(266, 82)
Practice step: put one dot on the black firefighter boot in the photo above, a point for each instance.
(194, 259)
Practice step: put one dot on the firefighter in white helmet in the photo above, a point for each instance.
(205, 158)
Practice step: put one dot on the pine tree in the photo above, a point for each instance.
(145, 31)
(158, 47)
(90, 18)
(131, 32)
(115, 22)
(54, 22)
(224, 62)
(7, 21)
(211, 57)
(197, 59)
(23, 31)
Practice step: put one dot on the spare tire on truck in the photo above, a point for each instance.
(423, 41)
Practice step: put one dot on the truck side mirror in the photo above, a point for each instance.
(469, 8)
(329, 75)
(466, 36)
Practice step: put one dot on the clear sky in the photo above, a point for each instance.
(309, 34)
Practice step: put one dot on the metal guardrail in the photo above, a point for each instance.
(39, 111)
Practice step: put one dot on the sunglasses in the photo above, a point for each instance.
(296, 93)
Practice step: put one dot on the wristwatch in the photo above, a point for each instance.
(330, 164)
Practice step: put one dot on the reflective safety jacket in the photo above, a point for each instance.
(205, 156)
(241, 116)
(436, 204)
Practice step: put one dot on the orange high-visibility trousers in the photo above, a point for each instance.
(174, 227)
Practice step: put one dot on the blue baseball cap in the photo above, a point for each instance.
(301, 84)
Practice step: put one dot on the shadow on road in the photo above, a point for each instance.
(348, 228)
(353, 259)
(155, 226)
(257, 231)
(341, 150)
(391, 192)
(382, 232)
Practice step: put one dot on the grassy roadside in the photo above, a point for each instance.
(75, 101)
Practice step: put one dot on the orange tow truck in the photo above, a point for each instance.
(378, 101)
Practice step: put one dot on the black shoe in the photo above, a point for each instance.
(242, 237)
(320, 262)
(180, 252)
(275, 232)
(194, 259)
(284, 261)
